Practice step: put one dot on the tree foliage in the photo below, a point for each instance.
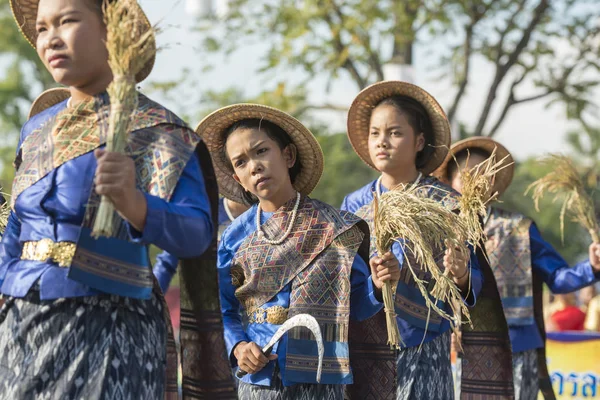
(24, 78)
(519, 40)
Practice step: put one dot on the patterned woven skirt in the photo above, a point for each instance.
(100, 347)
(525, 374)
(277, 391)
(426, 374)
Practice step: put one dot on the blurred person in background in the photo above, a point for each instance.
(565, 315)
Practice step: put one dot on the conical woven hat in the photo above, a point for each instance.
(503, 178)
(359, 119)
(25, 15)
(212, 128)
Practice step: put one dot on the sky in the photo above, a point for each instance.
(529, 130)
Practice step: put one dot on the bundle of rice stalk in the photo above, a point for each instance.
(421, 226)
(130, 46)
(388, 290)
(564, 181)
(473, 202)
(4, 214)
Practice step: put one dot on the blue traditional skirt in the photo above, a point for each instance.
(426, 373)
(277, 391)
(98, 347)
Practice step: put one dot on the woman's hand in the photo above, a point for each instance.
(384, 268)
(250, 357)
(457, 262)
(115, 179)
(594, 253)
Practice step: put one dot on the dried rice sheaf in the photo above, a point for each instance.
(422, 226)
(564, 182)
(130, 46)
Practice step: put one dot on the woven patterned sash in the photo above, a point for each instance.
(317, 259)
(206, 369)
(509, 251)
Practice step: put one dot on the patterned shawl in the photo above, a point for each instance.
(509, 252)
(161, 144)
(317, 259)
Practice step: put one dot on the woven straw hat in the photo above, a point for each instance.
(503, 178)
(48, 99)
(309, 151)
(359, 119)
(25, 14)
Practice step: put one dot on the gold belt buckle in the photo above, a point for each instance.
(275, 315)
(61, 253)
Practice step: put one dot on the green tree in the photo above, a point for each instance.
(24, 78)
(520, 40)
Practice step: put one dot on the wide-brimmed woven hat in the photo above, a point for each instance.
(503, 177)
(25, 14)
(48, 99)
(212, 128)
(359, 119)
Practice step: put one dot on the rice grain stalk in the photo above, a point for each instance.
(473, 202)
(4, 214)
(129, 47)
(421, 226)
(564, 181)
(388, 290)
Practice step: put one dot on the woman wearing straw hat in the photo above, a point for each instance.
(521, 260)
(287, 255)
(83, 318)
(400, 130)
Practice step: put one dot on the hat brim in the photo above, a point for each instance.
(212, 128)
(25, 15)
(503, 177)
(47, 99)
(359, 118)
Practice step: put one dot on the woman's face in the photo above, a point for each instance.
(469, 164)
(393, 143)
(259, 164)
(70, 42)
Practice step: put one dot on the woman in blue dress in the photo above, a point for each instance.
(287, 255)
(400, 130)
(83, 317)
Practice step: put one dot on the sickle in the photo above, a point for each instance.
(305, 320)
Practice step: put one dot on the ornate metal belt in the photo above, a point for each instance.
(275, 315)
(61, 253)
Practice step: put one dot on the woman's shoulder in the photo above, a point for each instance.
(239, 229)
(38, 120)
(150, 113)
(359, 198)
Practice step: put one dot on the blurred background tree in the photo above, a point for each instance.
(549, 50)
(23, 79)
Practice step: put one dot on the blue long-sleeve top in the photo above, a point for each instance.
(54, 208)
(412, 335)
(363, 303)
(559, 277)
(165, 266)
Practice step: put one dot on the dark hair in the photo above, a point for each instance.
(418, 119)
(274, 132)
(461, 157)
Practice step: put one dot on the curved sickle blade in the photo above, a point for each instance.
(310, 323)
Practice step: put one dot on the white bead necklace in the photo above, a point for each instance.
(287, 232)
(378, 184)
